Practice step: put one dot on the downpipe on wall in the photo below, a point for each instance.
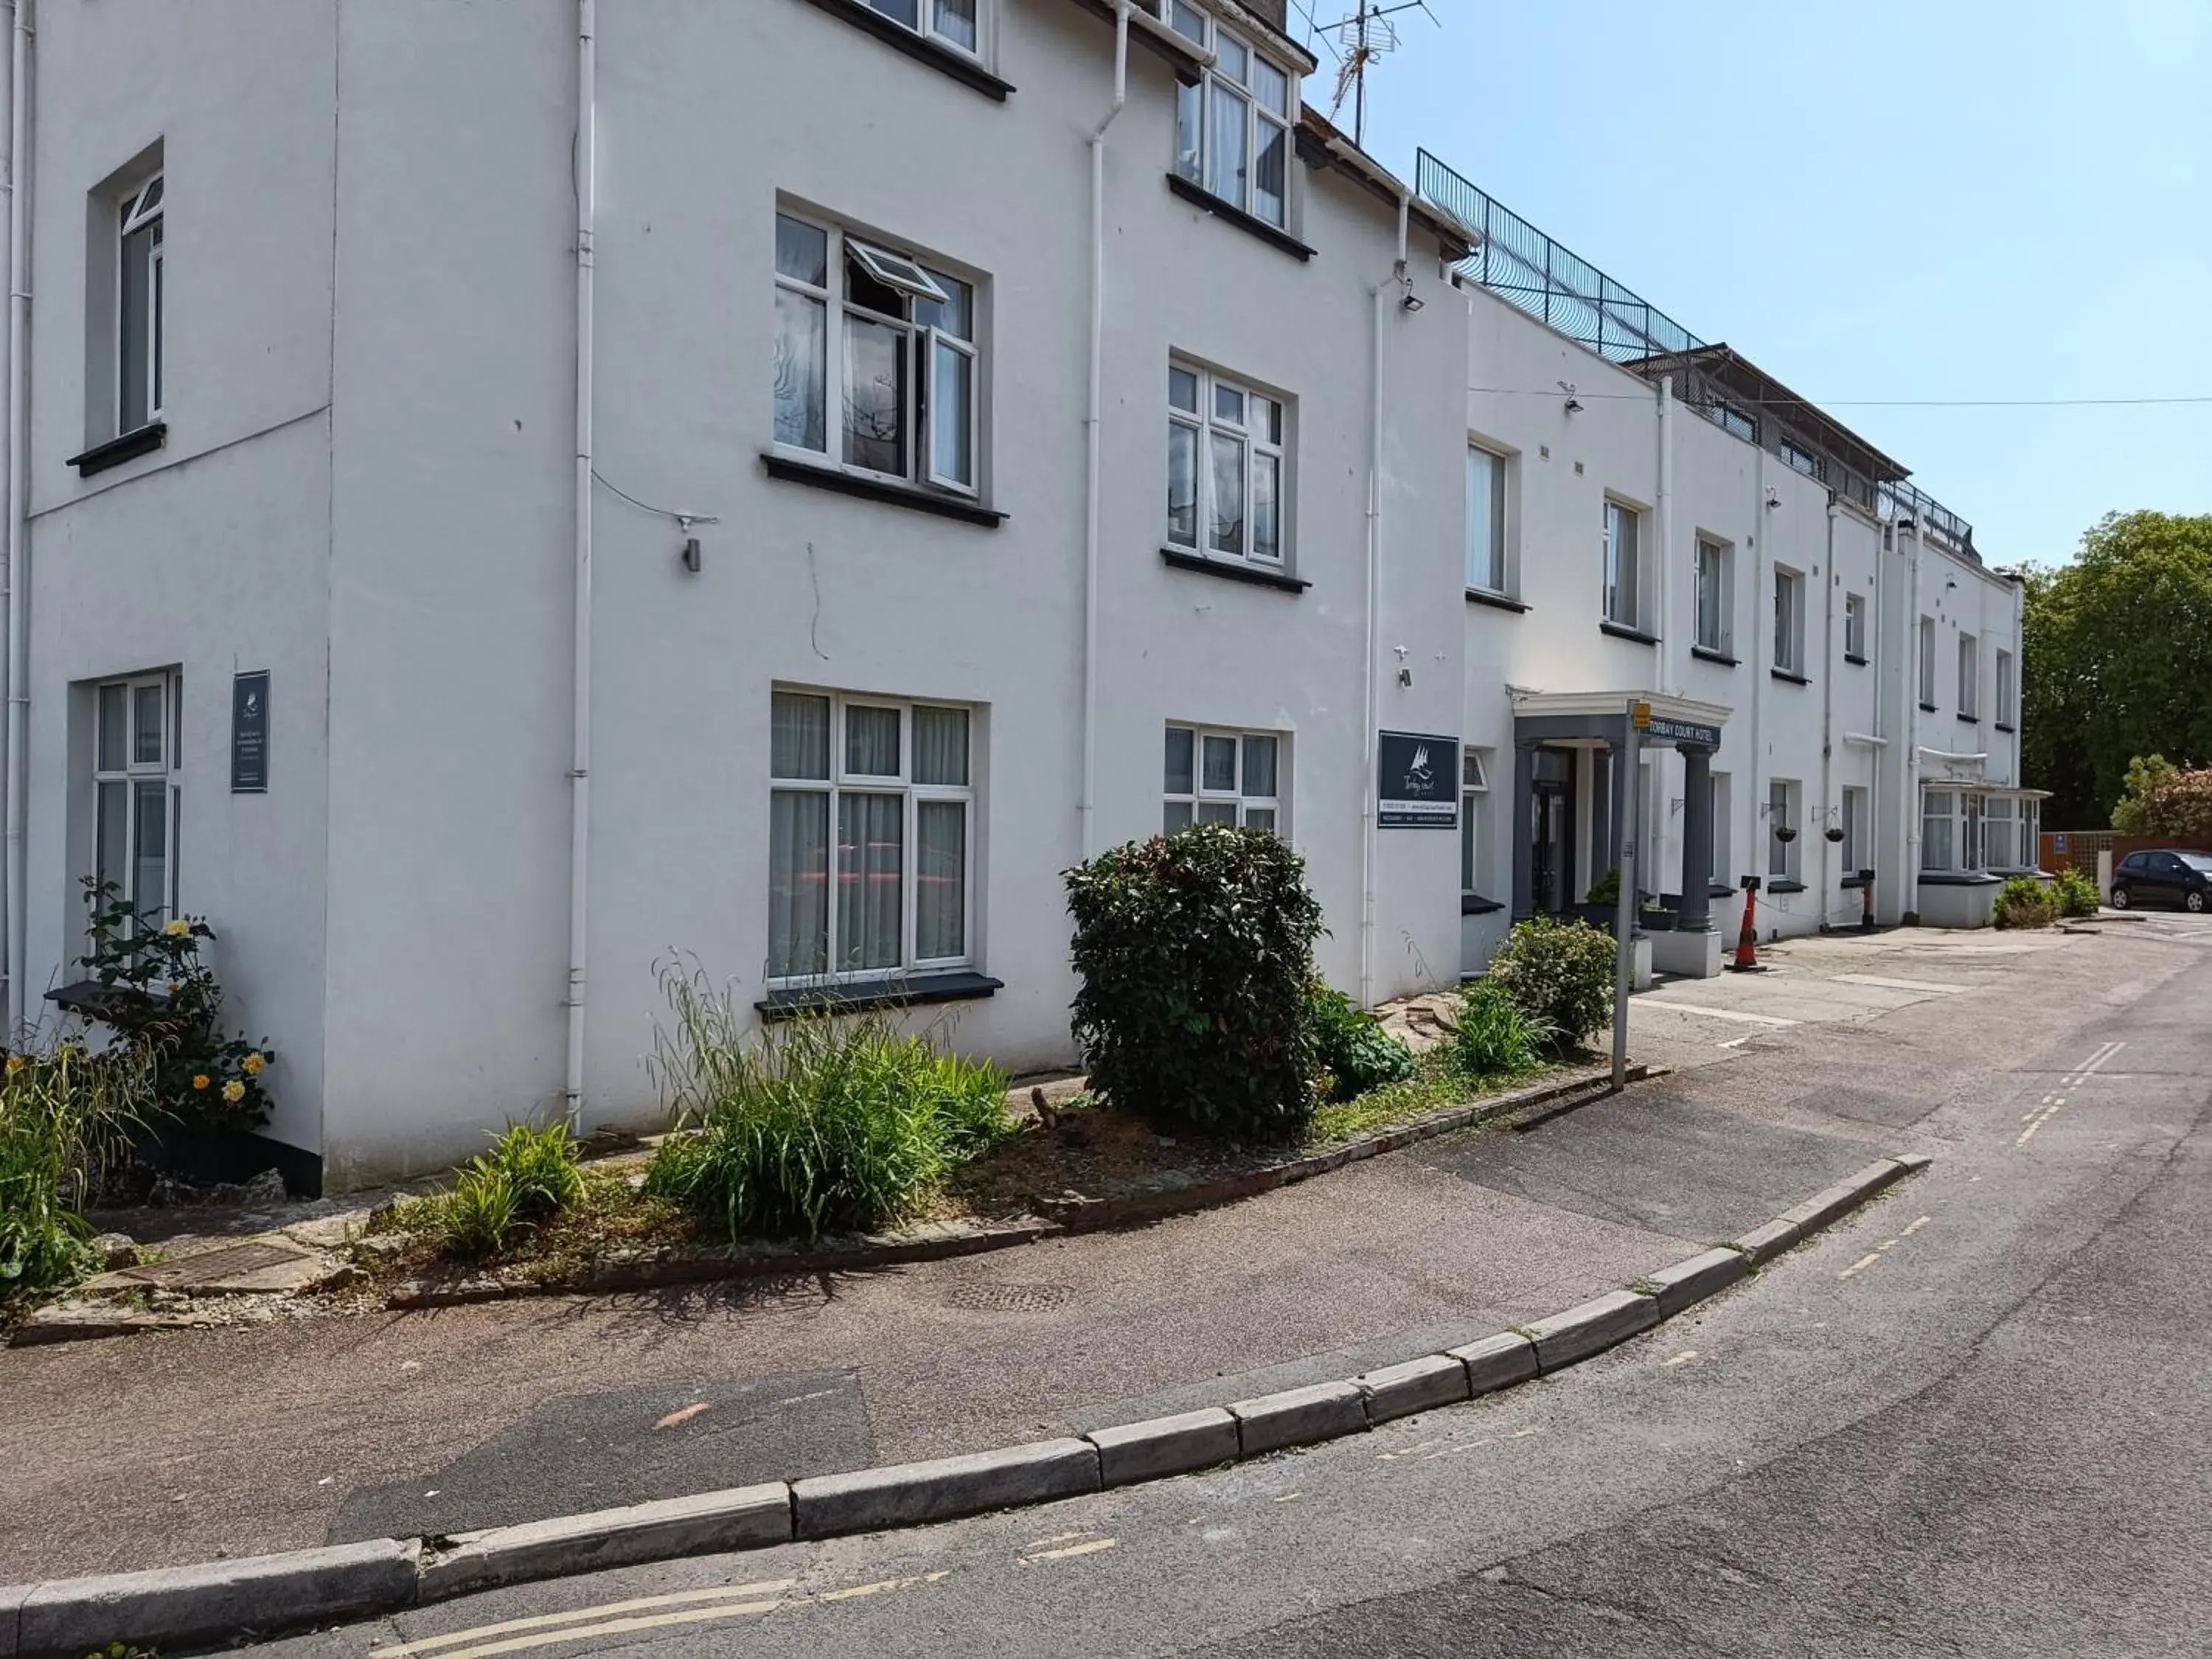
(1087, 808)
(20, 39)
(1400, 281)
(1828, 709)
(579, 768)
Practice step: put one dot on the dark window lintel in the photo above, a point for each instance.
(1273, 235)
(790, 1003)
(1235, 570)
(1706, 653)
(824, 476)
(1855, 661)
(1499, 601)
(919, 47)
(1786, 675)
(128, 446)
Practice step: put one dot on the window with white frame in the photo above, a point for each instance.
(1488, 570)
(2001, 840)
(2007, 709)
(138, 321)
(1789, 621)
(952, 22)
(1222, 777)
(1970, 651)
(1782, 856)
(1855, 618)
(1623, 553)
(1928, 662)
(891, 340)
(1857, 828)
(1716, 597)
(1473, 791)
(871, 836)
(136, 798)
(1233, 124)
(1939, 831)
(1225, 467)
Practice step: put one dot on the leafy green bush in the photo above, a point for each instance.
(1352, 1045)
(1195, 950)
(2076, 892)
(529, 1176)
(2025, 902)
(826, 1122)
(1497, 1037)
(1606, 889)
(64, 1116)
(1560, 974)
(167, 1005)
(480, 1215)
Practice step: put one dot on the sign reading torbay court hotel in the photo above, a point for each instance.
(1417, 779)
(1661, 728)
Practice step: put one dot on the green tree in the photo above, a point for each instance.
(2118, 649)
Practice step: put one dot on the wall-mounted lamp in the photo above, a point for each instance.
(1404, 669)
(1950, 584)
(1773, 499)
(690, 554)
(1410, 301)
(1574, 403)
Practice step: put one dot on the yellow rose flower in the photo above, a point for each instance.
(200, 1080)
(16, 1063)
(252, 1065)
(176, 928)
(234, 1091)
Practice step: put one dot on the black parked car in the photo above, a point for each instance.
(2164, 878)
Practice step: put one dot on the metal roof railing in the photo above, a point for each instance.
(1567, 293)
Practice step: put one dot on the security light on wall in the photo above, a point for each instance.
(1773, 499)
(1574, 403)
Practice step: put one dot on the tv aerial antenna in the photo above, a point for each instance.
(1365, 36)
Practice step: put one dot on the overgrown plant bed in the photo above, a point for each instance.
(1077, 1166)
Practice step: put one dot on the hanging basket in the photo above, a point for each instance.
(1785, 834)
(1834, 833)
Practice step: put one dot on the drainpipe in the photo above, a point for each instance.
(1400, 280)
(580, 769)
(19, 489)
(1087, 809)
(1908, 879)
(1828, 709)
(1761, 605)
(1667, 680)
(1879, 734)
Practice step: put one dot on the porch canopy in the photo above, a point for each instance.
(1624, 723)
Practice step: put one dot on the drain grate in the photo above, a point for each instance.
(1011, 1299)
(232, 1261)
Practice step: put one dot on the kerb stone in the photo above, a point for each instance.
(1165, 1445)
(1591, 1328)
(870, 1500)
(1417, 1385)
(1298, 1416)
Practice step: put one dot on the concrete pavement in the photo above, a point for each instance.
(1971, 1421)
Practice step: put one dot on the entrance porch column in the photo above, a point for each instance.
(1697, 910)
(1524, 829)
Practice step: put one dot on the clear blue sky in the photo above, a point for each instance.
(1886, 199)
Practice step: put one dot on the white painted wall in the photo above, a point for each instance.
(366, 491)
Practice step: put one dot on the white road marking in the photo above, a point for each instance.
(1715, 1014)
(1882, 1248)
(574, 1631)
(1067, 1550)
(1927, 985)
(2073, 1079)
(1681, 1359)
(544, 1620)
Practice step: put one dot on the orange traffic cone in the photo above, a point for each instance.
(1746, 942)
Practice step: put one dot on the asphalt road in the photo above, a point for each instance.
(1976, 1418)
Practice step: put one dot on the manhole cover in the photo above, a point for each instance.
(1011, 1299)
(232, 1261)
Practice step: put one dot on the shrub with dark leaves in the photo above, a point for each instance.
(1353, 1047)
(1196, 952)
